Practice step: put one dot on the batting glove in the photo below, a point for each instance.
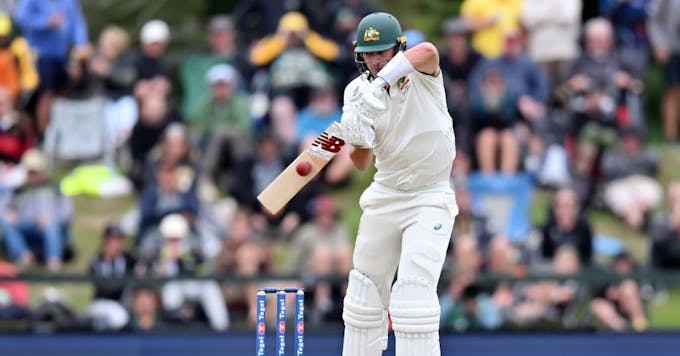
(368, 98)
(357, 129)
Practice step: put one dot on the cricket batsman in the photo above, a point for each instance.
(396, 112)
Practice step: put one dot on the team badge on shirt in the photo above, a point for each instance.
(404, 84)
(371, 34)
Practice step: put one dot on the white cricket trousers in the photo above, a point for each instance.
(410, 230)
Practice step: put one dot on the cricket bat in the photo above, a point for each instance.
(303, 169)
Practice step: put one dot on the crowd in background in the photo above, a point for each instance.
(539, 98)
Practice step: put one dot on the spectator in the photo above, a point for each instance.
(10, 75)
(567, 226)
(223, 124)
(665, 37)
(470, 222)
(457, 62)
(13, 295)
(553, 28)
(345, 16)
(526, 82)
(319, 248)
(323, 110)
(174, 148)
(145, 315)
(52, 28)
(38, 214)
(112, 261)
(593, 83)
(282, 121)
(222, 48)
(522, 95)
(629, 19)
(552, 301)
(257, 171)
(243, 253)
(171, 195)
(665, 252)
(490, 21)
(295, 55)
(618, 303)
(631, 189)
(113, 73)
(176, 259)
(153, 72)
(16, 134)
(153, 120)
(495, 116)
(469, 307)
(16, 48)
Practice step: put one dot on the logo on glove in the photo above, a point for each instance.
(371, 34)
(437, 227)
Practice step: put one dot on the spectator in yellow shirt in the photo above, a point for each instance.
(489, 21)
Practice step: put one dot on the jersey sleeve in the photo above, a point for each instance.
(433, 84)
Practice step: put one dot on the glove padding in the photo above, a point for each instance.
(368, 98)
(357, 129)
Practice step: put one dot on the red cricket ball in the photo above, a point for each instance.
(303, 168)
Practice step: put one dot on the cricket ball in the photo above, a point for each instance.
(303, 168)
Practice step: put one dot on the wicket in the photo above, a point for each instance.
(260, 337)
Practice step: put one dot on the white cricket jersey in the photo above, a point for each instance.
(414, 141)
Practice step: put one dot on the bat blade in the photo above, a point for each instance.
(287, 184)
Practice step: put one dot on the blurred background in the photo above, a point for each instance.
(135, 136)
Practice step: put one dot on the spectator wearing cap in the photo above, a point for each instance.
(631, 188)
(457, 62)
(490, 21)
(176, 258)
(38, 215)
(223, 124)
(553, 28)
(153, 72)
(222, 48)
(111, 262)
(52, 28)
(295, 56)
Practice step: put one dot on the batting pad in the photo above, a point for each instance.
(414, 309)
(365, 318)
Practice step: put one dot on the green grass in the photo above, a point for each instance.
(666, 314)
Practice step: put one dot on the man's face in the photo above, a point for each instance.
(375, 61)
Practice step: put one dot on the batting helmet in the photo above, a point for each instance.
(377, 32)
